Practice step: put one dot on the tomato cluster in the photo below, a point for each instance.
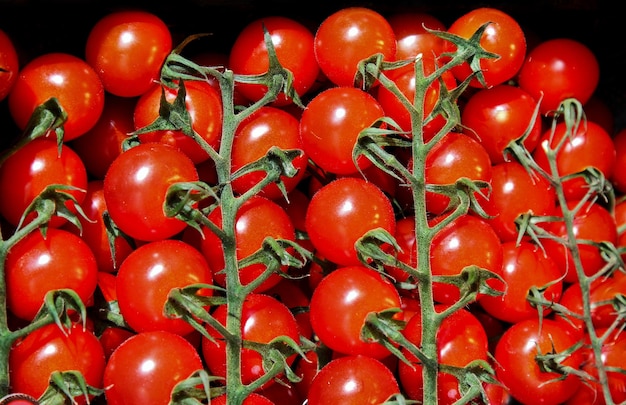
(214, 211)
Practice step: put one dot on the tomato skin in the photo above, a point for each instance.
(136, 185)
(263, 319)
(36, 165)
(503, 36)
(293, 44)
(557, 69)
(204, 104)
(48, 349)
(129, 381)
(618, 176)
(9, 64)
(331, 123)
(156, 268)
(359, 32)
(127, 49)
(340, 303)
(517, 369)
(38, 265)
(412, 36)
(341, 212)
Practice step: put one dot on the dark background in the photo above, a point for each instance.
(63, 25)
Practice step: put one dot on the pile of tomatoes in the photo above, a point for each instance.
(113, 140)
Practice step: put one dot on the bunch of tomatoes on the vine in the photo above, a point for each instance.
(383, 209)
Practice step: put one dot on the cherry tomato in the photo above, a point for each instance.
(293, 295)
(504, 36)
(113, 336)
(359, 33)
(36, 264)
(136, 185)
(146, 367)
(341, 212)
(127, 49)
(149, 273)
(331, 123)
(32, 168)
(352, 380)
(516, 362)
(293, 43)
(204, 105)
(341, 302)
(9, 64)
(557, 69)
(413, 36)
(48, 349)
(264, 318)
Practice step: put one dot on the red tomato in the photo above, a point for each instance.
(592, 223)
(37, 265)
(99, 146)
(268, 127)
(353, 380)
(619, 212)
(204, 104)
(498, 115)
(256, 219)
(136, 185)
(293, 43)
(524, 265)
(461, 339)
(35, 166)
(9, 64)
(48, 349)
(413, 37)
(146, 367)
(112, 337)
(515, 191)
(156, 268)
(618, 174)
(331, 123)
(94, 231)
(127, 49)
(263, 319)
(516, 362)
(589, 146)
(557, 69)
(341, 302)
(341, 212)
(293, 295)
(504, 36)
(454, 157)
(405, 237)
(359, 33)
(468, 240)
(56, 75)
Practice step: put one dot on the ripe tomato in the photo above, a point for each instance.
(113, 336)
(9, 64)
(341, 302)
(294, 296)
(149, 273)
(136, 185)
(499, 115)
(524, 265)
(468, 240)
(204, 104)
(293, 43)
(268, 127)
(461, 339)
(32, 168)
(557, 69)
(56, 75)
(516, 362)
(359, 33)
(405, 237)
(413, 37)
(352, 380)
(146, 367)
(504, 36)
(38, 265)
(589, 146)
(256, 219)
(48, 349)
(331, 123)
(99, 146)
(341, 212)
(263, 319)
(127, 49)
